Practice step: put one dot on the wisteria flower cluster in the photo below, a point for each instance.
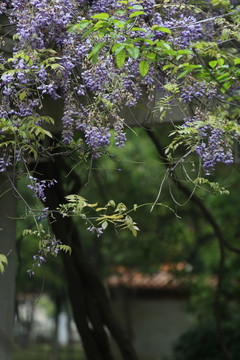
(50, 60)
(213, 143)
(90, 59)
(93, 230)
(49, 246)
(214, 148)
(38, 187)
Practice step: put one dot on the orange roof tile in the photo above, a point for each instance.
(164, 279)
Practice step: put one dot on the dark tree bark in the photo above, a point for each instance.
(90, 303)
(7, 279)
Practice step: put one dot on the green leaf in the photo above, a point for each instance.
(46, 132)
(183, 52)
(167, 66)
(22, 95)
(237, 61)
(137, 13)
(220, 62)
(120, 58)
(134, 52)
(111, 203)
(213, 63)
(183, 73)
(104, 225)
(95, 51)
(136, 7)
(80, 26)
(138, 29)
(98, 47)
(101, 16)
(224, 77)
(87, 32)
(95, 58)
(3, 260)
(226, 86)
(163, 44)
(143, 67)
(100, 24)
(148, 41)
(118, 47)
(162, 29)
(151, 55)
(120, 24)
(65, 248)
(102, 32)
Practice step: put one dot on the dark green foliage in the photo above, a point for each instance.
(201, 342)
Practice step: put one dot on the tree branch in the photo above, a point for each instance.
(218, 233)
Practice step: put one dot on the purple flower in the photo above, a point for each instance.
(93, 230)
(38, 187)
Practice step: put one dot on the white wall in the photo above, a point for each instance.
(156, 324)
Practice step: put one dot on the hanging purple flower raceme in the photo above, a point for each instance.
(120, 135)
(65, 70)
(38, 187)
(195, 91)
(184, 29)
(5, 162)
(97, 137)
(214, 148)
(49, 246)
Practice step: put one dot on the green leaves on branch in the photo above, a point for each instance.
(215, 188)
(65, 248)
(91, 214)
(115, 214)
(28, 137)
(136, 47)
(45, 239)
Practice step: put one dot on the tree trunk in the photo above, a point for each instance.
(7, 279)
(90, 303)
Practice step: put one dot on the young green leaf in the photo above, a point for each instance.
(162, 29)
(104, 225)
(120, 58)
(118, 47)
(3, 260)
(151, 55)
(22, 95)
(213, 63)
(143, 67)
(237, 61)
(220, 62)
(137, 13)
(101, 16)
(134, 52)
(98, 47)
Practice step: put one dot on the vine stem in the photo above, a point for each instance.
(23, 200)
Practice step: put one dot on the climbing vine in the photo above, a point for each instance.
(92, 59)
